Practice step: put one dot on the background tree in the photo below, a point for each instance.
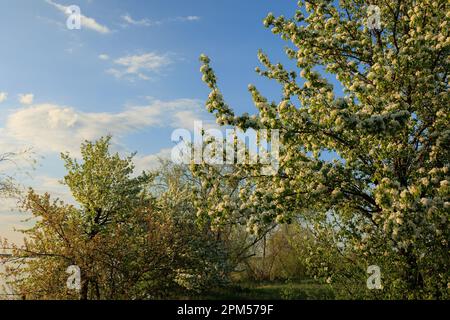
(128, 243)
(9, 163)
(6, 186)
(203, 258)
(368, 171)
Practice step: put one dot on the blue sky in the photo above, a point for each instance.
(60, 66)
(131, 71)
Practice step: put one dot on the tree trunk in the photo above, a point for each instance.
(84, 288)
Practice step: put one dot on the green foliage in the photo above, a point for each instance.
(275, 257)
(10, 162)
(273, 290)
(127, 243)
(204, 257)
(103, 185)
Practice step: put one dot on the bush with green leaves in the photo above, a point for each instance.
(128, 242)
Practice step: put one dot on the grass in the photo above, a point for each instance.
(293, 290)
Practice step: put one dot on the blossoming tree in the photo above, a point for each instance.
(383, 198)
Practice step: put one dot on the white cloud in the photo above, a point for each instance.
(26, 98)
(103, 56)
(3, 96)
(86, 22)
(52, 128)
(152, 161)
(54, 186)
(185, 119)
(137, 66)
(142, 22)
(11, 219)
(128, 20)
(188, 18)
(9, 222)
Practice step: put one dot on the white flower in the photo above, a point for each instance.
(425, 181)
(426, 202)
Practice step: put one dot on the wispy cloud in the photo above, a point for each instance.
(142, 22)
(103, 56)
(138, 66)
(26, 98)
(86, 22)
(51, 128)
(3, 96)
(128, 20)
(187, 18)
(151, 161)
(11, 220)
